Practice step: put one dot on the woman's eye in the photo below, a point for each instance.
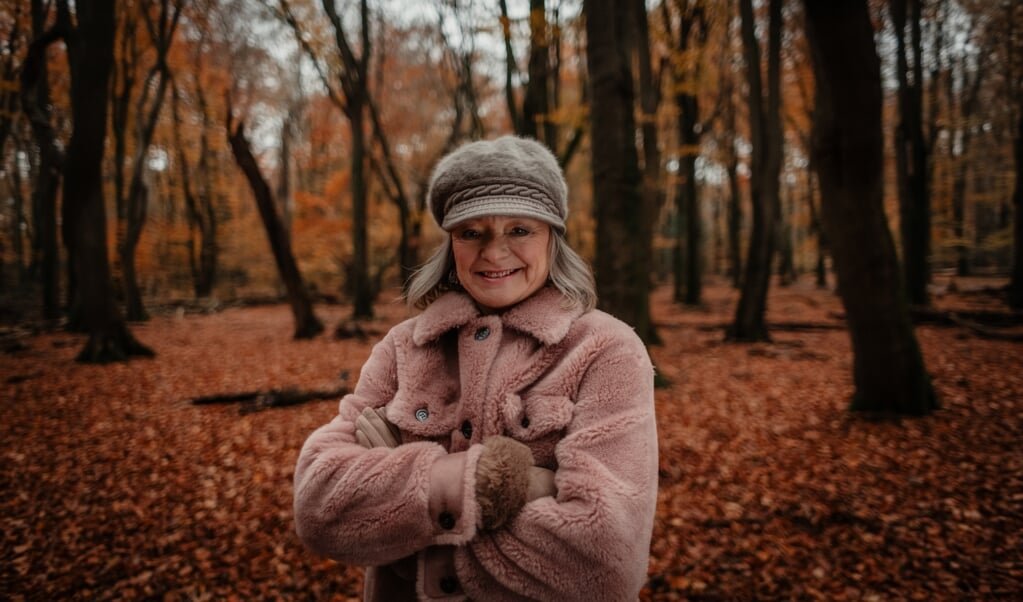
(519, 231)
(469, 234)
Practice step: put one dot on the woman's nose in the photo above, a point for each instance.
(494, 247)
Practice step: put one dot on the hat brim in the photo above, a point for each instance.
(509, 206)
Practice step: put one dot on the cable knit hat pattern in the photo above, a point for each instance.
(508, 176)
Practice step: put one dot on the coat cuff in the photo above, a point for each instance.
(452, 499)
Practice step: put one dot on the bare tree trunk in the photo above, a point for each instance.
(765, 125)
(888, 368)
(1013, 74)
(649, 101)
(136, 205)
(535, 110)
(307, 325)
(1016, 280)
(202, 217)
(35, 102)
(692, 28)
(734, 214)
(623, 232)
(911, 156)
(90, 55)
(510, 69)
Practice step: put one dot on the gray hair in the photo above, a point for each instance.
(569, 273)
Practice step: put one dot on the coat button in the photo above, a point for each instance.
(482, 333)
(467, 429)
(448, 585)
(422, 414)
(446, 520)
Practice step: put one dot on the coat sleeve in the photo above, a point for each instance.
(375, 506)
(592, 542)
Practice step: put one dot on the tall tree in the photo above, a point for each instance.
(848, 144)
(356, 103)
(1014, 91)
(132, 208)
(963, 118)
(307, 325)
(541, 98)
(624, 221)
(197, 188)
(35, 102)
(90, 52)
(648, 80)
(686, 24)
(911, 153)
(765, 165)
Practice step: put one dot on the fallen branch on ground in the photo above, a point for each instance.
(254, 401)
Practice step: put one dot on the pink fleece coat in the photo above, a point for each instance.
(576, 387)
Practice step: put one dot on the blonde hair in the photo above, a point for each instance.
(569, 273)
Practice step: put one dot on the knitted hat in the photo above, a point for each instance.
(507, 176)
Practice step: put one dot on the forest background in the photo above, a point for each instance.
(238, 152)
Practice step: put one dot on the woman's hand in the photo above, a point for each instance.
(372, 429)
(541, 484)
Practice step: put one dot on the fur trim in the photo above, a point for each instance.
(502, 480)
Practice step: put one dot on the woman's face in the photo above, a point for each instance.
(501, 260)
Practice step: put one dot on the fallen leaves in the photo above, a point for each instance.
(114, 486)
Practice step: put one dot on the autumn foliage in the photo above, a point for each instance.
(114, 486)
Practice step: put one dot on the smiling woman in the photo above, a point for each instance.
(500, 445)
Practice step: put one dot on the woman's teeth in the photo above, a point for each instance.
(500, 274)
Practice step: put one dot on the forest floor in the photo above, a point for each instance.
(113, 485)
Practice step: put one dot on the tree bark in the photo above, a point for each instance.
(766, 137)
(35, 102)
(355, 83)
(911, 156)
(202, 217)
(652, 189)
(888, 368)
(688, 269)
(90, 55)
(535, 117)
(624, 224)
(1016, 279)
(307, 325)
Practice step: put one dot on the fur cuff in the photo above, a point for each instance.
(502, 480)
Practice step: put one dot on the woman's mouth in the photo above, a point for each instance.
(498, 274)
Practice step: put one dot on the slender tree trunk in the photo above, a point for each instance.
(202, 216)
(692, 30)
(911, 156)
(888, 368)
(1016, 280)
(510, 70)
(307, 325)
(535, 102)
(734, 212)
(649, 98)
(690, 230)
(623, 221)
(817, 228)
(137, 203)
(90, 55)
(35, 102)
(355, 83)
(362, 302)
(765, 125)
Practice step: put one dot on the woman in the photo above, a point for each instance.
(500, 445)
